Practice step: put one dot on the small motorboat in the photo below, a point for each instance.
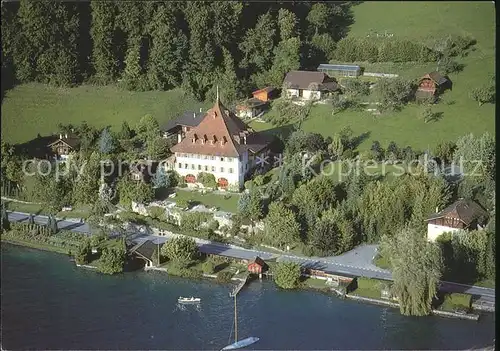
(188, 300)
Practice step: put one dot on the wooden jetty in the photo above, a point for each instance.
(238, 287)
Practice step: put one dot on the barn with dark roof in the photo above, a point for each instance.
(431, 84)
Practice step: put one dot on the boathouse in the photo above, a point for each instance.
(146, 250)
(257, 266)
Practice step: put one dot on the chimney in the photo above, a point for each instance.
(60, 136)
(66, 135)
(194, 114)
(244, 139)
(200, 109)
(437, 209)
(179, 137)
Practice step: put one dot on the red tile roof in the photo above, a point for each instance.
(266, 89)
(221, 133)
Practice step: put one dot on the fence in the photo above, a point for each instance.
(380, 75)
(9, 189)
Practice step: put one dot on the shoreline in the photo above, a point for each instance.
(324, 290)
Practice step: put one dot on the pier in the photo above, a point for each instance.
(238, 287)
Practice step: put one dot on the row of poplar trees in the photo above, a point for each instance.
(146, 45)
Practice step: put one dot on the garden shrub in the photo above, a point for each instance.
(352, 49)
(224, 277)
(156, 212)
(190, 273)
(207, 179)
(208, 267)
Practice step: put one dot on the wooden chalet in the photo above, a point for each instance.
(257, 266)
(461, 215)
(431, 85)
(64, 145)
(257, 104)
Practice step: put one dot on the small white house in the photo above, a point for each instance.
(460, 215)
(308, 85)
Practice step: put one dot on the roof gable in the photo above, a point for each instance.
(309, 80)
(71, 141)
(258, 261)
(218, 125)
(145, 249)
(464, 210)
(188, 118)
(436, 77)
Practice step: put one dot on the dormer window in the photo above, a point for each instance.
(214, 139)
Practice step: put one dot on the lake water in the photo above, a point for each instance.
(48, 303)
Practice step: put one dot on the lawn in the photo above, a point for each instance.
(368, 288)
(33, 244)
(77, 212)
(381, 262)
(455, 301)
(487, 283)
(315, 283)
(459, 113)
(210, 200)
(39, 108)
(27, 208)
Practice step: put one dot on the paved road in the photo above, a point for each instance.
(357, 262)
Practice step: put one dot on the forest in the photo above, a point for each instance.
(146, 45)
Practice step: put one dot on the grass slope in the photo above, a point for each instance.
(424, 22)
(39, 108)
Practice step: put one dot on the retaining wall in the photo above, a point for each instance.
(473, 317)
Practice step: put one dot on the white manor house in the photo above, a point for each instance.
(220, 144)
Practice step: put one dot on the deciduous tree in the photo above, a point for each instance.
(416, 269)
(287, 275)
(393, 93)
(483, 95)
(181, 250)
(113, 258)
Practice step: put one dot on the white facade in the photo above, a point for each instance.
(434, 230)
(246, 113)
(229, 168)
(305, 94)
